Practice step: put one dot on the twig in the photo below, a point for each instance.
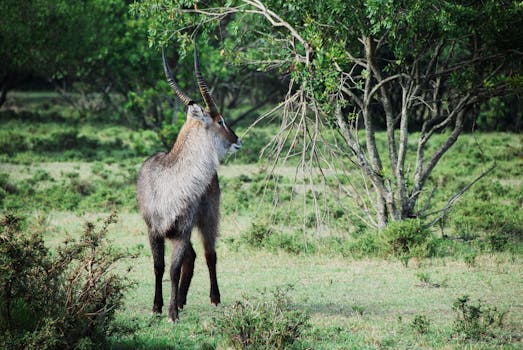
(455, 197)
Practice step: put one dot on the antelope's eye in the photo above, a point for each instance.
(221, 122)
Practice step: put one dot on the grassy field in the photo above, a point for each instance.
(60, 172)
(366, 303)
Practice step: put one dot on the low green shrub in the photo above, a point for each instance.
(364, 245)
(263, 235)
(292, 243)
(6, 187)
(60, 299)
(409, 238)
(266, 321)
(257, 234)
(499, 226)
(470, 258)
(475, 320)
(70, 192)
(144, 142)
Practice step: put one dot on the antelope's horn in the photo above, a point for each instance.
(186, 100)
(204, 90)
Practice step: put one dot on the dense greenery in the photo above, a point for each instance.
(320, 44)
(100, 47)
(364, 65)
(263, 322)
(402, 66)
(75, 41)
(54, 162)
(64, 299)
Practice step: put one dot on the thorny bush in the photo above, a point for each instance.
(263, 322)
(57, 299)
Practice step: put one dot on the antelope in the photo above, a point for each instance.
(179, 189)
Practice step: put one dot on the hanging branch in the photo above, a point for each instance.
(450, 203)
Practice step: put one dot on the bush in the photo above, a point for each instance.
(262, 322)
(262, 235)
(289, 243)
(501, 225)
(257, 234)
(6, 188)
(364, 245)
(57, 300)
(476, 321)
(409, 238)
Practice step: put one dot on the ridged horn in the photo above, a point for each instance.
(186, 100)
(204, 90)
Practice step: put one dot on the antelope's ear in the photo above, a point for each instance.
(194, 111)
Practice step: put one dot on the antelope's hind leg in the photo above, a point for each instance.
(210, 256)
(178, 251)
(158, 250)
(186, 275)
(208, 220)
(209, 232)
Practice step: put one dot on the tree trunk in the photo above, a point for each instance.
(381, 211)
(5, 86)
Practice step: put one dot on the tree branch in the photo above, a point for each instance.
(444, 211)
(277, 21)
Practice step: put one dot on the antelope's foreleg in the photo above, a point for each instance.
(186, 275)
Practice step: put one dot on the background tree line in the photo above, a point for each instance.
(336, 71)
(414, 69)
(101, 47)
(99, 51)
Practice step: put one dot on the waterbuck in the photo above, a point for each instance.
(179, 189)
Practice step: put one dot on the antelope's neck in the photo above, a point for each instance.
(195, 154)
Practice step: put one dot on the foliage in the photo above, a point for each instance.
(93, 52)
(409, 238)
(67, 139)
(263, 235)
(476, 320)
(401, 66)
(256, 235)
(501, 226)
(107, 191)
(57, 300)
(487, 219)
(267, 321)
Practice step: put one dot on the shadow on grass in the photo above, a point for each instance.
(155, 333)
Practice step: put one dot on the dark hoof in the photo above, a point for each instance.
(171, 320)
(173, 314)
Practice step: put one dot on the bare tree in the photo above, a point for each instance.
(398, 68)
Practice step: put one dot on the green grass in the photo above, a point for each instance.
(361, 304)
(60, 170)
